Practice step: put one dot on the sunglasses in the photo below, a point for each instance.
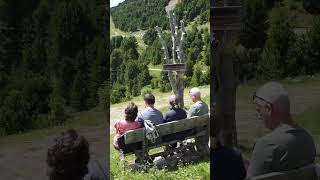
(254, 96)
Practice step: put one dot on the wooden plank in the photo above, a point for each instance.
(174, 67)
(198, 134)
(226, 11)
(307, 172)
(226, 18)
(134, 136)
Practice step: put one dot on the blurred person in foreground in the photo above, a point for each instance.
(68, 157)
(288, 146)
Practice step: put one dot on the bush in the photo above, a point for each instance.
(14, 114)
(165, 87)
(104, 94)
(118, 94)
(246, 60)
(164, 82)
(197, 76)
(145, 90)
(280, 37)
(57, 106)
(205, 79)
(154, 83)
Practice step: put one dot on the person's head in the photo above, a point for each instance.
(68, 157)
(173, 101)
(149, 100)
(131, 112)
(272, 105)
(195, 94)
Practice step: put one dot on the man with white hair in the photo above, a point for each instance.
(287, 146)
(197, 109)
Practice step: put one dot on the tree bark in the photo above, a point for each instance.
(176, 79)
(224, 89)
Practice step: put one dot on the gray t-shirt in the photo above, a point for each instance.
(151, 114)
(197, 109)
(285, 148)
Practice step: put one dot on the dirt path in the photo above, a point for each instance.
(171, 5)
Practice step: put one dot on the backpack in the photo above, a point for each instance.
(150, 131)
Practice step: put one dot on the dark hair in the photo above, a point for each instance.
(68, 156)
(149, 98)
(131, 112)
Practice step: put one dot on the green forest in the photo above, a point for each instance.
(279, 40)
(133, 15)
(130, 75)
(53, 61)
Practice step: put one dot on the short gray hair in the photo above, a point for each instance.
(274, 93)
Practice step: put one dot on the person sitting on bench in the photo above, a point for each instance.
(68, 157)
(150, 112)
(129, 123)
(197, 109)
(287, 146)
(175, 113)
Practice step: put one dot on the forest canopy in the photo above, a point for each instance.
(52, 58)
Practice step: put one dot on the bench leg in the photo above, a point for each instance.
(202, 144)
(139, 157)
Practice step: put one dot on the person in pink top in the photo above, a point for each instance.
(129, 123)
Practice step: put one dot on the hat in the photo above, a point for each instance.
(194, 92)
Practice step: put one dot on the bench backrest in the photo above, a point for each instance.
(137, 135)
(304, 173)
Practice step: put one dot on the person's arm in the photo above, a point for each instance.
(165, 119)
(192, 111)
(261, 159)
(140, 118)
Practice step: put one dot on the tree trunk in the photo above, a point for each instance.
(224, 90)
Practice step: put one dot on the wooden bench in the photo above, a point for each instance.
(305, 173)
(134, 141)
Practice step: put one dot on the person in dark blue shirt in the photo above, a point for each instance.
(175, 113)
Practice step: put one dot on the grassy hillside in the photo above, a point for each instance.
(138, 35)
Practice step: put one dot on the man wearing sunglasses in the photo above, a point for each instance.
(287, 146)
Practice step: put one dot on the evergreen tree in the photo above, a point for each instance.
(150, 36)
(275, 53)
(254, 32)
(197, 76)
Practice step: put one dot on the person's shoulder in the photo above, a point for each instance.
(119, 123)
(159, 112)
(98, 170)
(181, 111)
(267, 140)
(204, 104)
(195, 105)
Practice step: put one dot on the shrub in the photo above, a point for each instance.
(145, 90)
